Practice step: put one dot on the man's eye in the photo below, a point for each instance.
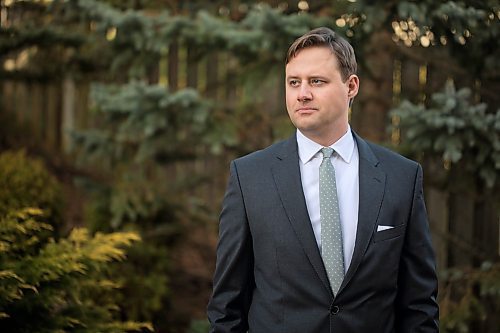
(294, 83)
(317, 81)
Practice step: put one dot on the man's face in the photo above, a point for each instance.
(317, 99)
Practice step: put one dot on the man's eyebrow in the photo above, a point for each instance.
(292, 77)
(318, 76)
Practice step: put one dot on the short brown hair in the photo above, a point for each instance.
(328, 38)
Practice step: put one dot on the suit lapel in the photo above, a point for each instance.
(371, 193)
(286, 173)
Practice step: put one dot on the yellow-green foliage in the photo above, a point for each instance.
(49, 285)
(24, 182)
(58, 286)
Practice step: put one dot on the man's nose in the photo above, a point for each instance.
(304, 93)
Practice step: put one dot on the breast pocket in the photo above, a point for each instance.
(389, 233)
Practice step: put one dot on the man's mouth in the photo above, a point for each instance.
(306, 110)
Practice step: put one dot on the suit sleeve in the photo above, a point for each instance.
(233, 277)
(417, 308)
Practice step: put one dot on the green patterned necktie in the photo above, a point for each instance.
(331, 231)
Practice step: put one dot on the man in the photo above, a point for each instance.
(313, 243)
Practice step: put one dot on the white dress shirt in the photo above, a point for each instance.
(345, 160)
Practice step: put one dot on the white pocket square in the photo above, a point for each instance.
(384, 227)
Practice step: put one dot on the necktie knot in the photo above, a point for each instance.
(327, 152)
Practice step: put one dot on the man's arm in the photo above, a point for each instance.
(233, 278)
(417, 309)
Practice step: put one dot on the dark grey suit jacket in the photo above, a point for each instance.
(270, 278)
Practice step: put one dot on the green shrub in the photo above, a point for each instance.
(25, 182)
(58, 286)
(48, 283)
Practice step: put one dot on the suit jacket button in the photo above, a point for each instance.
(334, 310)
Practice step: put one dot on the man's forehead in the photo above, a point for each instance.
(317, 49)
(312, 60)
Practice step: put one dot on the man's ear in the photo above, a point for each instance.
(353, 86)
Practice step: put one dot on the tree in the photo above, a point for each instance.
(462, 136)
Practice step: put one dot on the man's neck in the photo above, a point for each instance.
(327, 139)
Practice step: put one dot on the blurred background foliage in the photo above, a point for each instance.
(50, 282)
(138, 106)
(28, 185)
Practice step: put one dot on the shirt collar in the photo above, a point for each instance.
(344, 147)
